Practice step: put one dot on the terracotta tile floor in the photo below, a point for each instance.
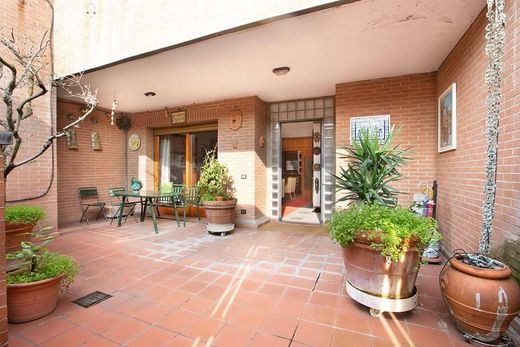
(184, 287)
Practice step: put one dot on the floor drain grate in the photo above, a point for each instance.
(92, 299)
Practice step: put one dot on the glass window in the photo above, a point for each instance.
(181, 156)
(172, 158)
(201, 143)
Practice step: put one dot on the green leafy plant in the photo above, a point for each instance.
(24, 214)
(123, 122)
(37, 263)
(390, 230)
(371, 168)
(215, 179)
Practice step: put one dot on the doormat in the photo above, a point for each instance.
(92, 299)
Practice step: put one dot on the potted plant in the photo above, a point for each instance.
(381, 242)
(19, 223)
(33, 288)
(382, 247)
(480, 293)
(217, 195)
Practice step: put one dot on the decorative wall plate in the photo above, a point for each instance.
(134, 142)
(316, 150)
(261, 141)
(235, 120)
(316, 136)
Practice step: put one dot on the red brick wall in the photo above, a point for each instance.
(30, 19)
(261, 129)
(411, 103)
(461, 172)
(3, 295)
(84, 167)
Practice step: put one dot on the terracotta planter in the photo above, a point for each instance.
(378, 275)
(482, 301)
(15, 234)
(220, 216)
(30, 301)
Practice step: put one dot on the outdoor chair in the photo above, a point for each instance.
(88, 197)
(115, 203)
(178, 191)
(191, 199)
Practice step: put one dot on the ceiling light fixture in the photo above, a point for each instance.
(282, 70)
(149, 94)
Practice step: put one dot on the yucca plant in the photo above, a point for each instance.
(371, 167)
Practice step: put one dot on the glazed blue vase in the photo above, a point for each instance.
(135, 184)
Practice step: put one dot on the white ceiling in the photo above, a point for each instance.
(363, 40)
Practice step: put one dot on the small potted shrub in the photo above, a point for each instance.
(217, 195)
(381, 242)
(19, 224)
(33, 288)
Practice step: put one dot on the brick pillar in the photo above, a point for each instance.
(3, 295)
(5, 139)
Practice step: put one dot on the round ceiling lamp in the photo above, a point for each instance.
(282, 70)
(149, 94)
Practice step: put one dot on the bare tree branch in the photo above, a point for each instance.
(30, 62)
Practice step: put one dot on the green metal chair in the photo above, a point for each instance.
(177, 191)
(88, 197)
(115, 202)
(191, 199)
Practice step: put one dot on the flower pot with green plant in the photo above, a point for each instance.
(479, 291)
(19, 223)
(217, 195)
(381, 242)
(33, 287)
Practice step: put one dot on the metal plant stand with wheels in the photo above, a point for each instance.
(504, 341)
(378, 304)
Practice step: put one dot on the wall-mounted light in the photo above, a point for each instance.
(282, 70)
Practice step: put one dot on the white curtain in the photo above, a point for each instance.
(164, 158)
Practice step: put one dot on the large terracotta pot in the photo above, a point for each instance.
(482, 301)
(220, 216)
(30, 301)
(15, 234)
(378, 275)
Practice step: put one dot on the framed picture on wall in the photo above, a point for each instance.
(447, 120)
(379, 125)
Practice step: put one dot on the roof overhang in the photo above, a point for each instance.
(358, 41)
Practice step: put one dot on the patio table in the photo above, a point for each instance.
(148, 196)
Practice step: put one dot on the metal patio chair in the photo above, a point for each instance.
(88, 197)
(115, 203)
(191, 199)
(177, 190)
